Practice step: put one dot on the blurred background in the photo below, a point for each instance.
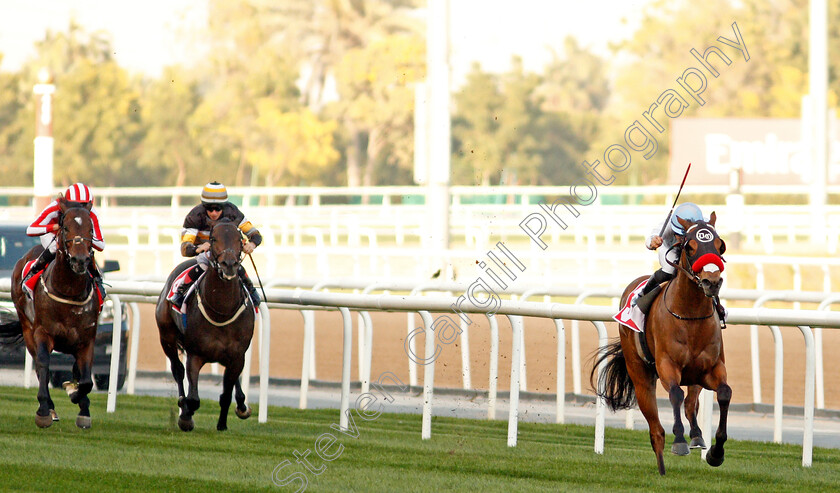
(320, 117)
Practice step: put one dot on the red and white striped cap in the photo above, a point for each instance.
(78, 192)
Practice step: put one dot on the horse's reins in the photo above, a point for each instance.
(691, 275)
(64, 241)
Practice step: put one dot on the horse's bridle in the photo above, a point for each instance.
(76, 240)
(214, 258)
(691, 261)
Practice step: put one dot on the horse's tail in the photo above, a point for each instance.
(614, 384)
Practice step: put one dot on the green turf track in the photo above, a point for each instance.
(139, 448)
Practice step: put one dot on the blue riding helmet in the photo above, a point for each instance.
(687, 212)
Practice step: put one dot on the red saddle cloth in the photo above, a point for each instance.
(32, 281)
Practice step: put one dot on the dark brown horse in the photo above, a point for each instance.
(683, 335)
(63, 312)
(219, 326)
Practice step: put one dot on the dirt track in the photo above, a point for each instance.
(540, 349)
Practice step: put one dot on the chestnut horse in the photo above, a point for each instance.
(683, 335)
(63, 312)
(219, 326)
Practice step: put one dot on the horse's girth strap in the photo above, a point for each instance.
(63, 300)
(642, 348)
(207, 317)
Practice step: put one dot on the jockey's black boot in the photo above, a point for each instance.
(181, 290)
(651, 290)
(249, 286)
(721, 311)
(178, 298)
(97, 279)
(45, 258)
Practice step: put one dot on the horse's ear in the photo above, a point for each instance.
(88, 206)
(712, 218)
(684, 223)
(62, 203)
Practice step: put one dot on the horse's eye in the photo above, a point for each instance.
(722, 247)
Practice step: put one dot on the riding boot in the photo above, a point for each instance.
(721, 311)
(181, 291)
(249, 286)
(96, 274)
(653, 283)
(45, 258)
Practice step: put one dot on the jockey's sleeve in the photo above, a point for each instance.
(250, 231)
(654, 232)
(188, 246)
(188, 249)
(98, 240)
(45, 219)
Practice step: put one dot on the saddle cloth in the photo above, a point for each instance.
(182, 278)
(29, 285)
(631, 316)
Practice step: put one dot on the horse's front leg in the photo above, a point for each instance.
(44, 414)
(231, 379)
(192, 402)
(717, 381)
(670, 376)
(691, 408)
(84, 363)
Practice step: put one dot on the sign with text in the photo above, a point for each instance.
(769, 151)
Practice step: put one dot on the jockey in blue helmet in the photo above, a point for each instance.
(673, 235)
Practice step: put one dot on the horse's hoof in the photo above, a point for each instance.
(680, 448)
(697, 442)
(54, 415)
(43, 421)
(70, 387)
(714, 461)
(186, 424)
(83, 422)
(221, 427)
(243, 414)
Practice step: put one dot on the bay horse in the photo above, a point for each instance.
(683, 335)
(219, 326)
(63, 314)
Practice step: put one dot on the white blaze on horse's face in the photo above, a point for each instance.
(78, 220)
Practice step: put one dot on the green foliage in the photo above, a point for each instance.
(322, 92)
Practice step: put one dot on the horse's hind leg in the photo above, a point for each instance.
(242, 410)
(231, 380)
(717, 381)
(691, 415)
(191, 402)
(43, 417)
(171, 352)
(84, 362)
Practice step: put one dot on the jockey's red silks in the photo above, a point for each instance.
(707, 258)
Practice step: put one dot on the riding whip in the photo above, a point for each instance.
(665, 224)
(256, 273)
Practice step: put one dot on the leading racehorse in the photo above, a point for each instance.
(63, 312)
(219, 326)
(684, 348)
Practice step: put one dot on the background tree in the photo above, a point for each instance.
(376, 89)
(169, 147)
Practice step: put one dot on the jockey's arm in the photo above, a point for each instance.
(253, 235)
